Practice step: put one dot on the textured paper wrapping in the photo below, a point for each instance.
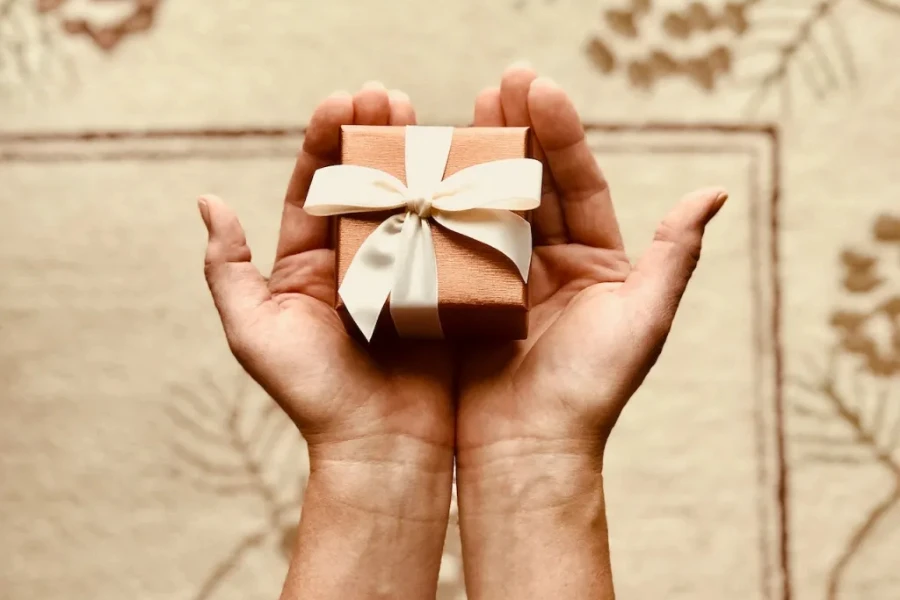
(480, 293)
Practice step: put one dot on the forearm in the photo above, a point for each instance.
(372, 526)
(534, 525)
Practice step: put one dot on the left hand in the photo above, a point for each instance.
(534, 416)
(597, 322)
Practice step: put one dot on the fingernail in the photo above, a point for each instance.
(203, 205)
(373, 85)
(398, 96)
(721, 198)
(545, 82)
(717, 205)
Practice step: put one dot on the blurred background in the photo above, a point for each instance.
(761, 460)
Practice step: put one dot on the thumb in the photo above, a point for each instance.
(236, 285)
(663, 272)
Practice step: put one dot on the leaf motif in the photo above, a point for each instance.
(887, 229)
(232, 436)
(806, 49)
(891, 7)
(854, 397)
(859, 423)
(815, 414)
(622, 22)
(641, 7)
(600, 55)
(734, 17)
(826, 458)
(676, 26)
(699, 17)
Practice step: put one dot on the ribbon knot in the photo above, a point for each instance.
(420, 206)
(397, 259)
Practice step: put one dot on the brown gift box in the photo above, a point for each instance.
(480, 291)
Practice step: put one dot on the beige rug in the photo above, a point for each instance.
(761, 461)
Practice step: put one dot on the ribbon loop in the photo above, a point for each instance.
(397, 259)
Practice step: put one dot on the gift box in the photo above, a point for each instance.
(457, 234)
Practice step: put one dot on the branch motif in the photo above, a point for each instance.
(865, 430)
(232, 440)
(704, 67)
(814, 54)
(29, 47)
(767, 47)
(140, 18)
(891, 7)
(849, 413)
(132, 17)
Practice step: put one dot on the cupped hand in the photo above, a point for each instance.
(598, 322)
(390, 402)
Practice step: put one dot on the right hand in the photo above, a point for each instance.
(386, 408)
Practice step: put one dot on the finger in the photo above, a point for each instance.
(488, 109)
(514, 93)
(584, 192)
(401, 109)
(662, 274)
(236, 285)
(549, 227)
(321, 147)
(371, 105)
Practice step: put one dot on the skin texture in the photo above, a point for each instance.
(528, 420)
(378, 421)
(534, 416)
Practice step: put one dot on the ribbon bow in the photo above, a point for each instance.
(397, 259)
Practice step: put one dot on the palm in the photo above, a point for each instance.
(597, 323)
(578, 322)
(397, 386)
(286, 333)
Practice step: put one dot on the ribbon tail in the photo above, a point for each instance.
(502, 230)
(369, 277)
(414, 295)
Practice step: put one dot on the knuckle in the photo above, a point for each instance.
(209, 268)
(219, 256)
(686, 241)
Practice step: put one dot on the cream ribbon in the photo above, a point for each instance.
(397, 259)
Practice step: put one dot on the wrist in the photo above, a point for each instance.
(527, 475)
(373, 522)
(532, 519)
(390, 476)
